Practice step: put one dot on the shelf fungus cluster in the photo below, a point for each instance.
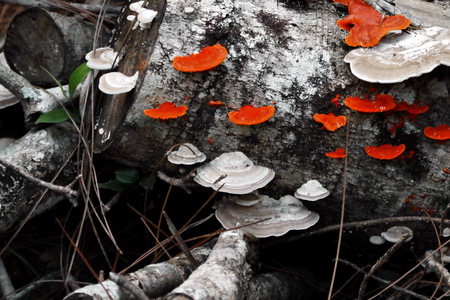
(233, 173)
(268, 217)
(401, 56)
(144, 16)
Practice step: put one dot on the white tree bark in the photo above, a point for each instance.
(291, 53)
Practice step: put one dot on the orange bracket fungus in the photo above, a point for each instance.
(166, 110)
(379, 104)
(339, 153)
(441, 133)
(331, 122)
(250, 115)
(386, 151)
(206, 59)
(366, 25)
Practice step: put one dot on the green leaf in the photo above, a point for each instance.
(147, 182)
(77, 77)
(127, 175)
(57, 82)
(57, 115)
(114, 185)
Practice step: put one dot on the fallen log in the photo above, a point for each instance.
(289, 55)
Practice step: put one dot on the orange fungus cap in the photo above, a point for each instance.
(386, 151)
(330, 121)
(379, 104)
(441, 133)
(206, 59)
(249, 115)
(366, 25)
(339, 153)
(166, 110)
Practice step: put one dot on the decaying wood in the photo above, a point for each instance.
(289, 53)
(156, 280)
(42, 154)
(224, 275)
(38, 40)
(136, 48)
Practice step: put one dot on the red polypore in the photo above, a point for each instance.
(206, 59)
(441, 133)
(380, 103)
(249, 115)
(330, 121)
(166, 110)
(339, 153)
(366, 25)
(215, 103)
(386, 151)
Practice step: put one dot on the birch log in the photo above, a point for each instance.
(41, 154)
(288, 54)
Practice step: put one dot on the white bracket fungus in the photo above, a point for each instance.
(186, 154)
(103, 59)
(233, 173)
(117, 83)
(312, 190)
(282, 215)
(144, 16)
(247, 199)
(377, 240)
(400, 56)
(395, 234)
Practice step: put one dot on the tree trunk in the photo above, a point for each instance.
(288, 54)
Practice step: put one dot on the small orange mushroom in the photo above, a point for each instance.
(386, 151)
(249, 115)
(441, 133)
(206, 59)
(166, 110)
(339, 153)
(366, 25)
(215, 103)
(330, 121)
(379, 104)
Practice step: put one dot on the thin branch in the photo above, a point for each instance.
(403, 290)
(65, 190)
(127, 285)
(380, 262)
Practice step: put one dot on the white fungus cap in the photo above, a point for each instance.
(446, 232)
(146, 17)
(398, 57)
(137, 6)
(117, 83)
(282, 215)
(312, 190)
(102, 60)
(186, 154)
(377, 240)
(233, 173)
(395, 234)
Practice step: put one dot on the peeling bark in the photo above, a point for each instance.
(291, 53)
